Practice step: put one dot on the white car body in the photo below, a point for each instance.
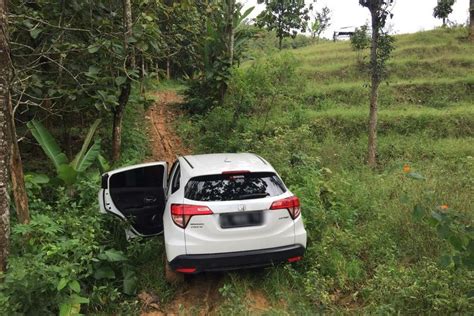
(216, 240)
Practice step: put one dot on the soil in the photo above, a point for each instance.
(258, 302)
(165, 144)
(199, 294)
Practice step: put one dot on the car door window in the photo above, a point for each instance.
(172, 172)
(138, 195)
(176, 180)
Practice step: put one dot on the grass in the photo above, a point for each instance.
(367, 253)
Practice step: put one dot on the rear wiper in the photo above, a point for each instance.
(252, 196)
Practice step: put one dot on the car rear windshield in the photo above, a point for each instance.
(230, 187)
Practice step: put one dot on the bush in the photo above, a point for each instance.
(60, 259)
(71, 258)
(360, 39)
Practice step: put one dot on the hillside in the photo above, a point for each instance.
(429, 93)
(373, 246)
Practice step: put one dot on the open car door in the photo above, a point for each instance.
(136, 194)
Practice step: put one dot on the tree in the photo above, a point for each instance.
(360, 41)
(286, 17)
(71, 63)
(15, 166)
(321, 23)
(4, 143)
(119, 110)
(221, 49)
(16, 171)
(380, 50)
(230, 30)
(471, 22)
(443, 10)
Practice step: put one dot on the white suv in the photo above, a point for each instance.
(217, 211)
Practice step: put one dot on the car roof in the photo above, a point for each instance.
(197, 165)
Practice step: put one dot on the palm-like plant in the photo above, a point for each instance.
(66, 170)
(225, 35)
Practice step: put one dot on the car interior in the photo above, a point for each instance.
(139, 195)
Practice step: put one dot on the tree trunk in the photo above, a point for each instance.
(168, 68)
(4, 147)
(117, 135)
(157, 70)
(118, 120)
(142, 75)
(119, 110)
(375, 82)
(230, 30)
(4, 198)
(372, 145)
(128, 24)
(280, 40)
(16, 171)
(471, 22)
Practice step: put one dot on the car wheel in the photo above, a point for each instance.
(171, 276)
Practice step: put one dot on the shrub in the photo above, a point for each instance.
(60, 259)
(70, 258)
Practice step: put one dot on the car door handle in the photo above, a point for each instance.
(150, 200)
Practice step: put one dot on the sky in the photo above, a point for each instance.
(409, 15)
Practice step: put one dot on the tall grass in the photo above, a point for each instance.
(367, 251)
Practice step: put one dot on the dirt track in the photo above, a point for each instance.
(165, 144)
(200, 293)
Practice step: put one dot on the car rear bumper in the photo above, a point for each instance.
(236, 260)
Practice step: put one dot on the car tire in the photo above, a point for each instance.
(171, 276)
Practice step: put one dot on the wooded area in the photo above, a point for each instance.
(388, 197)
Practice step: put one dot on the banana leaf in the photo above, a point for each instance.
(104, 165)
(78, 160)
(239, 18)
(89, 157)
(67, 174)
(47, 143)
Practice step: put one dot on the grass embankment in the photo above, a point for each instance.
(370, 249)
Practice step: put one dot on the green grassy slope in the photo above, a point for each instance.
(431, 69)
(367, 252)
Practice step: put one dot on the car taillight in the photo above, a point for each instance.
(182, 213)
(292, 204)
(294, 259)
(186, 270)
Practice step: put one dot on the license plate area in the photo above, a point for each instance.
(242, 219)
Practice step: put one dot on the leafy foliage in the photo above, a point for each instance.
(68, 171)
(70, 58)
(70, 259)
(286, 17)
(360, 40)
(382, 42)
(220, 52)
(321, 22)
(443, 9)
(55, 271)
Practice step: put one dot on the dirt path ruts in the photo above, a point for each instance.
(165, 144)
